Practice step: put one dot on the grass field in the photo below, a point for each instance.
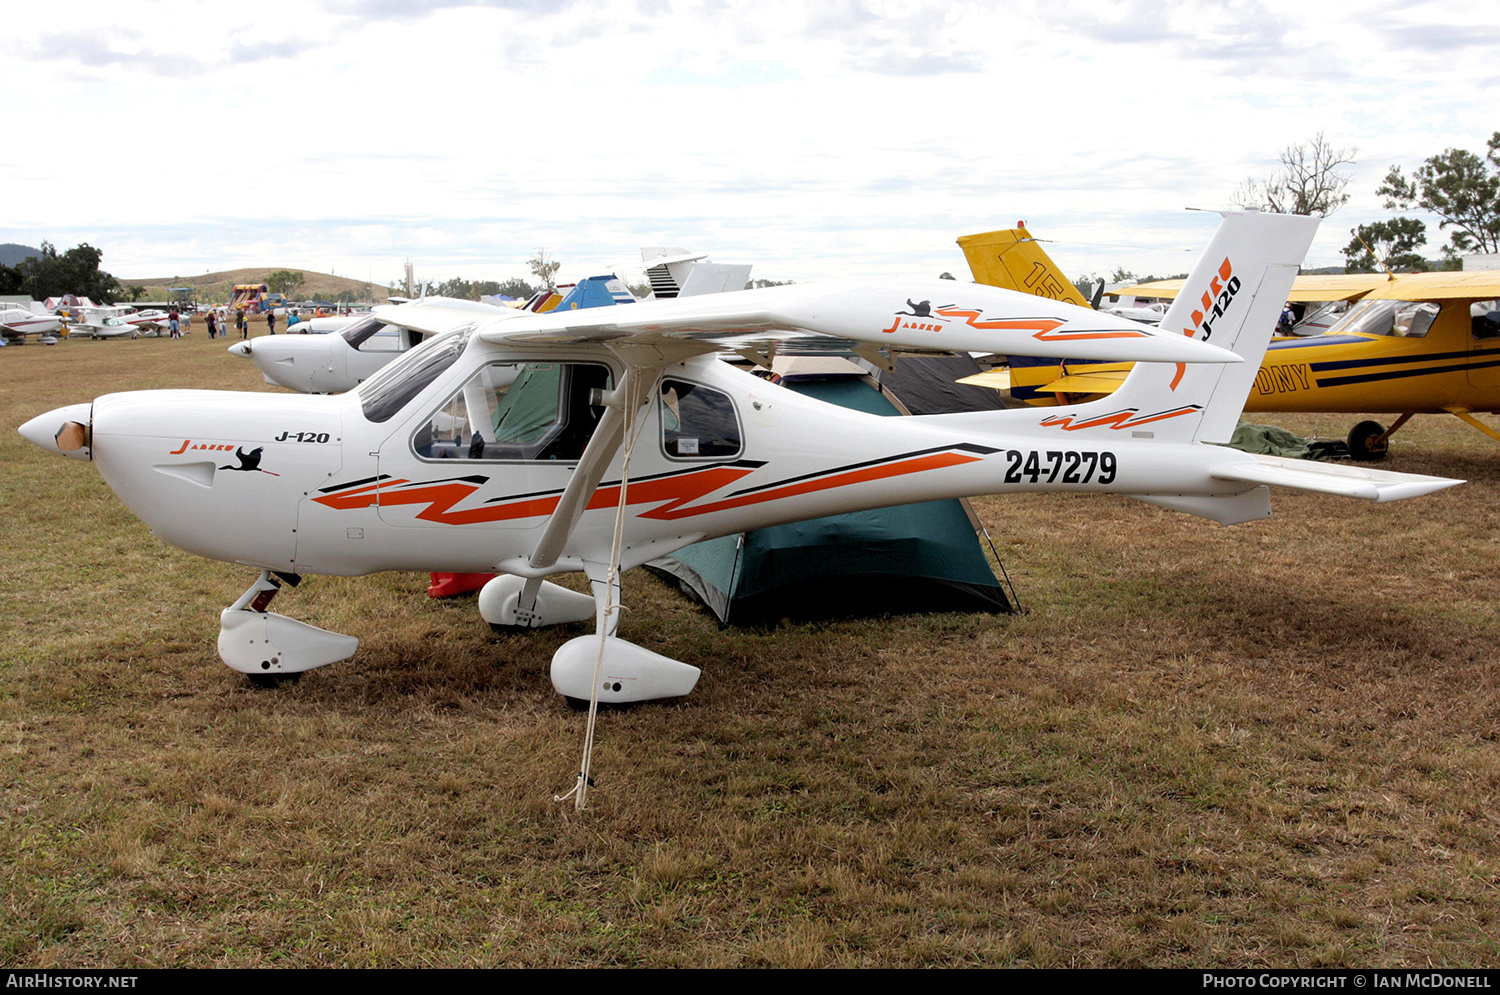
(1273, 744)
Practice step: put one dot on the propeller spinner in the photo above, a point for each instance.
(62, 431)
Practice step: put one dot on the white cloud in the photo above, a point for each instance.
(808, 138)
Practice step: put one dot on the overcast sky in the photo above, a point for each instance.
(811, 139)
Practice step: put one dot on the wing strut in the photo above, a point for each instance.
(622, 420)
(601, 666)
(623, 408)
(513, 598)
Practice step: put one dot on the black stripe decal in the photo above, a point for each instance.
(1351, 364)
(968, 447)
(353, 483)
(1401, 374)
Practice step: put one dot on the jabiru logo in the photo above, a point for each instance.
(1221, 290)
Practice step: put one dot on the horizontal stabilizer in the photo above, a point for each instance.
(997, 378)
(1331, 478)
(1094, 381)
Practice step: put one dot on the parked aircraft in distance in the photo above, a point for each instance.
(20, 320)
(338, 361)
(335, 363)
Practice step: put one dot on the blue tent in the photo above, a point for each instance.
(595, 291)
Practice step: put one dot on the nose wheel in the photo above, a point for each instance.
(272, 648)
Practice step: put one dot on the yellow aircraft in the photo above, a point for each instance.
(1408, 344)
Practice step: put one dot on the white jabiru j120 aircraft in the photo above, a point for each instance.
(342, 359)
(593, 441)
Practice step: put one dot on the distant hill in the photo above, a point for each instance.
(217, 287)
(11, 253)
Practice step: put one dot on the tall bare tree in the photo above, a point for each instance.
(1309, 181)
(543, 267)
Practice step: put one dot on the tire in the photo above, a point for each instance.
(1363, 445)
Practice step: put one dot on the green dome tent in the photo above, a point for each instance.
(909, 558)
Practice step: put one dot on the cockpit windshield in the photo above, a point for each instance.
(1402, 319)
(399, 381)
(362, 329)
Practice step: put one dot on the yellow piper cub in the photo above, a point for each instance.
(1408, 344)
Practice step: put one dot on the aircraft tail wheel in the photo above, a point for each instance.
(1368, 442)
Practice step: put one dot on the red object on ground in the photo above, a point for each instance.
(452, 585)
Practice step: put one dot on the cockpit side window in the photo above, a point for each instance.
(389, 390)
(1414, 322)
(698, 421)
(518, 411)
(388, 339)
(1484, 319)
(1399, 319)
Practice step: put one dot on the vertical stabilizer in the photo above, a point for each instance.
(667, 269)
(1012, 259)
(715, 278)
(1232, 299)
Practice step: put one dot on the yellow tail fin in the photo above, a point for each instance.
(1012, 259)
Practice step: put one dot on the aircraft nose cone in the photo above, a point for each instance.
(61, 431)
(240, 349)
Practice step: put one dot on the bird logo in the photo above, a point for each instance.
(249, 462)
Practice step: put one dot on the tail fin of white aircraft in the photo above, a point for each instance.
(1232, 299)
(667, 268)
(676, 272)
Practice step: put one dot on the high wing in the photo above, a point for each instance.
(1473, 285)
(433, 315)
(837, 316)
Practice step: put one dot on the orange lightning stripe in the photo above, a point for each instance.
(1115, 419)
(672, 494)
(971, 318)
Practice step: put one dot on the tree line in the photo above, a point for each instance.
(53, 274)
(1459, 187)
(543, 268)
